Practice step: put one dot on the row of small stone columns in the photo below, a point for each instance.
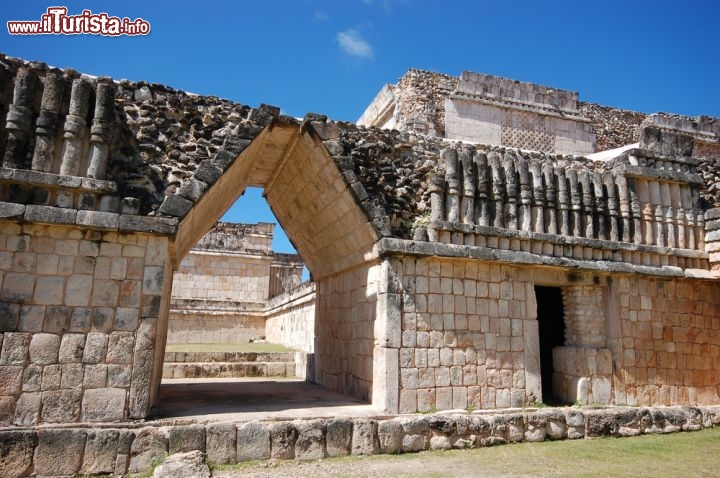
(19, 122)
(505, 190)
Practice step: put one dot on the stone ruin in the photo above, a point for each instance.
(447, 274)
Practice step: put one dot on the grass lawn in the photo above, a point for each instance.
(695, 454)
(258, 347)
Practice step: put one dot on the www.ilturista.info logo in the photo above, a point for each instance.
(57, 22)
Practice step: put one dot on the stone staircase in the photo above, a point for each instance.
(228, 364)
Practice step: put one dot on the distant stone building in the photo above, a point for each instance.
(222, 286)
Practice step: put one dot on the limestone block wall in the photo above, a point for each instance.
(469, 336)
(209, 275)
(192, 326)
(79, 311)
(290, 319)
(666, 341)
(344, 330)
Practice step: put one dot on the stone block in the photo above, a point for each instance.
(49, 290)
(51, 377)
(31, 318)
(118, 376)
(120, 347)
(17, 287)
(283, 436)
(59, 406)
(14, 348)
(100, 452)
(80, 319)
(310, 444)
(189, 464)
(27, 409)
(57, 319)
(59, 451)
(7, 410)
(71, 348)
(9, 316)
(95, 348)
(390, 436)
(77, 290)
(338, 437)
(16, 452)
(364, 438)
(122, 461)
(95, 376)
(71, 375)
(104, 405)
(253, 442)
(11, 379)
(221, 443)
(149, 444)
(32, 378)
(186, 438)
(44, 349)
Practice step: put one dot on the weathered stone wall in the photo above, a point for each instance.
(492, 110)
(79, 316)
(222, 276)
(285, 273)
(290, 319)
(666, 347)
(345, 314)
(200, 325)
(469, 336)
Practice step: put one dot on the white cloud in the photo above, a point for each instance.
(353, 44)
(320, 16)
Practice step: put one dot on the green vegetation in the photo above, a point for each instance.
(257, 347)
(673, 455)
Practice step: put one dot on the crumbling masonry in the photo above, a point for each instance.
(427, 252)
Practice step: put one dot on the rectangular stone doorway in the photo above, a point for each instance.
(551, 330)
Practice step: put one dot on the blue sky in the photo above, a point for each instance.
(331, 57)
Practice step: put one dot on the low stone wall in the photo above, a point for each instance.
(228, 364)
(213, 327)
(290, 318)
(108, 450)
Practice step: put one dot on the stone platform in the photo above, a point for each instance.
(228, 364)
(246, 420)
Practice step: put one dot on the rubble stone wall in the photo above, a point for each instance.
(80, 309)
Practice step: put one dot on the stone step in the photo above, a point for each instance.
(234, 357)
(228, 369)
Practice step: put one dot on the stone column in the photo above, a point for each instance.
(48, 121)
(483, 177)
(687, 204)
(669, 214)
(676, 201)
(588, 203)
(508, 165)
(625, 211)
(452, 178)
(467, 204)
(75, 126)
(612, 206)
(635, 210)
(659, 215)
(538, 204)
(648, 212)
(100, 131)
(498, 189)
(699, 220)
(575, 202)
(551, 197)
(19, 119)
(525, 195)
(563, 201)
(437, 202)
(600, 205)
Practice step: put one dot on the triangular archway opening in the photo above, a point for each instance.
(311, 201)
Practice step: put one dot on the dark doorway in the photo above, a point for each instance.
(551, 328)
